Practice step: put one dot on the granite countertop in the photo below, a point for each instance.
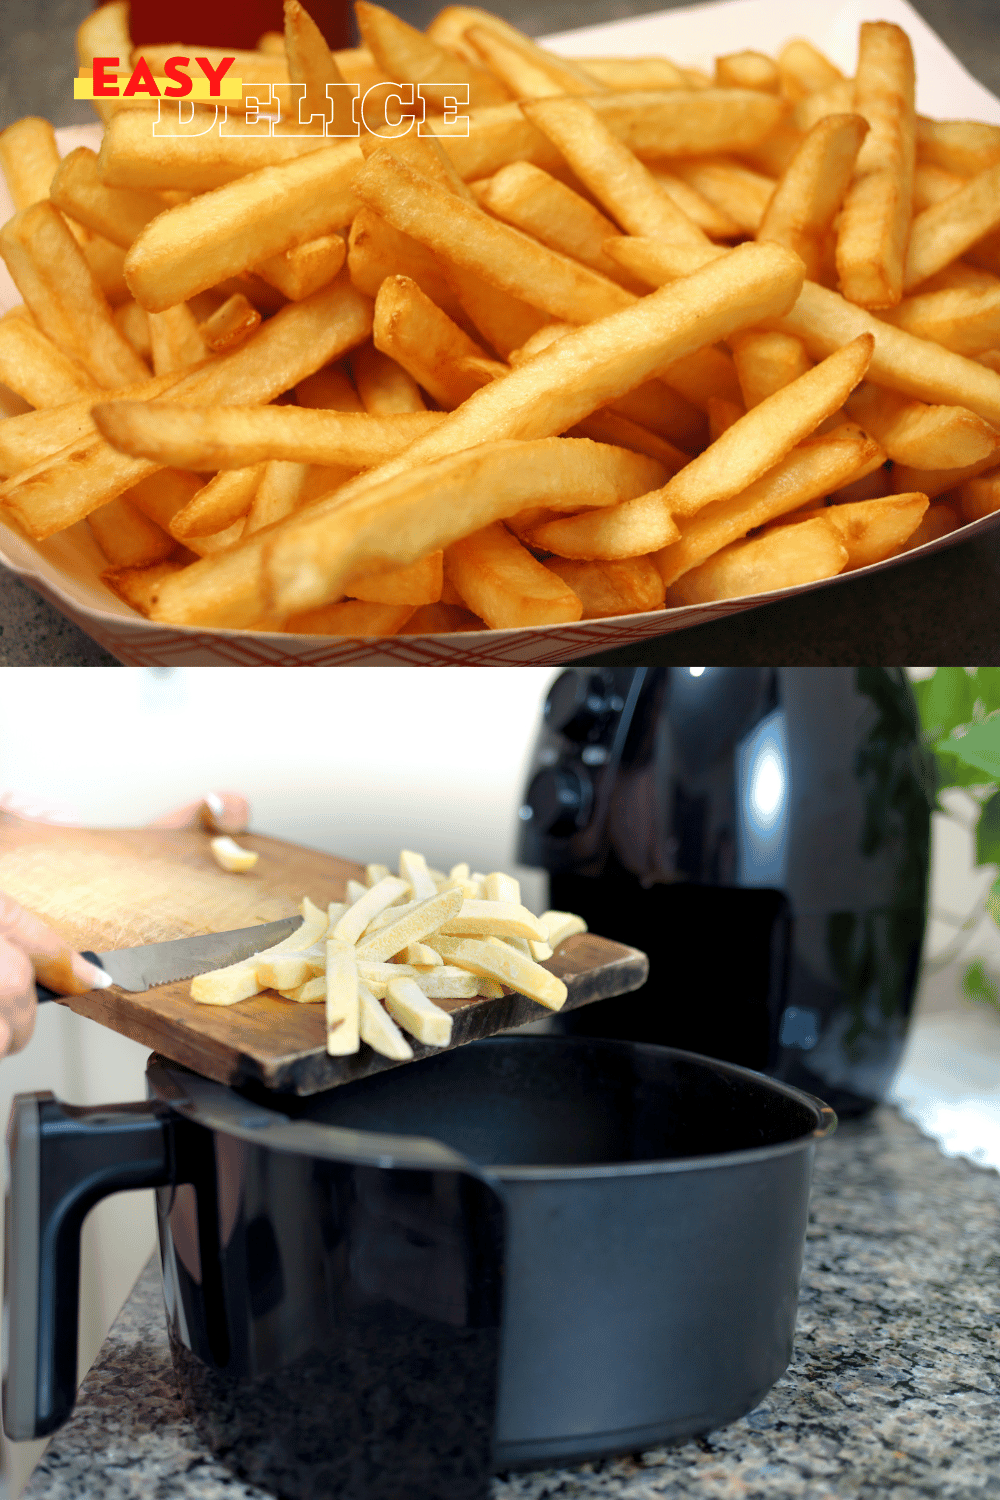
(910, 613)
(893, 1390)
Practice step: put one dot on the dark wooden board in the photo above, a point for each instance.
(113, 888)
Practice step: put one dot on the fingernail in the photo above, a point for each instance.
(215, 804)
(98, 979)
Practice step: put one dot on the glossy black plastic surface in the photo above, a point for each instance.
(655, 1209)
(763, 834)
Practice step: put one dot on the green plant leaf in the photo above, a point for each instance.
(993, 902)
(978, 747)
(977, 985)
(954, 772)
(988, 833)
(986, 686)
(945, 700)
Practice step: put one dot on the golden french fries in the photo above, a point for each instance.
(624, 394)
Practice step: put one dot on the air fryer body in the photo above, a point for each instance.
(763, 834)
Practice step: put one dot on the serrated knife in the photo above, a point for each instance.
(139, 969)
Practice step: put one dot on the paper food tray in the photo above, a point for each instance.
(66, 569)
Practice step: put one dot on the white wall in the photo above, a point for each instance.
(356, 762)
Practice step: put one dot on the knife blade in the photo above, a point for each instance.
(139, 969)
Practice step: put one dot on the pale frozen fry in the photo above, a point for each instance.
(559, 925)
(502, 583)
(766, 434)
(374, 873)
(224, 499)
(926, 437)
(875, 219)
(232, 437)
(230, 856)
(540, 951)
(239, 981)
(128, 538)
(426, 1022)
(116, 213)
(463, 234)
(175, 340)
(748, 70)
(615, 176)
(534, 201)
(443, 982)
(384, 386)
(498, 961)
(29, 159)
(32, 365)
(375, 900)
(784, 558)
(496, 887)
(411, 927)
(420, 956)
(632, 529)
(229, 325)
(131, 156)
(767, 362)
(303, 269)
(825, 321)
(49, 270)
(493, 917)
(737, 191)
(418, 584)
(814, 468)
(232, 228)
(811, 189)
(804, 69)
(379, 1030)
(354, 890)
(408, 56)
(343, 1008)
(413, 870)
(629, 586)
(945, 230)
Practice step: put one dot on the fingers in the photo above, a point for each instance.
(17, 998)
(53, 960)
(216, 812)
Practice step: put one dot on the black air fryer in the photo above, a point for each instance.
(763, 834)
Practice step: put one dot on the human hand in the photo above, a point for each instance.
(28, 948)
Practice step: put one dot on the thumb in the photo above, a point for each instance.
(54, 961)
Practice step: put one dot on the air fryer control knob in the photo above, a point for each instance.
(559, 802)
(580, 702)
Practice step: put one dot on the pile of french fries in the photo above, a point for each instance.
(641, 337)
(382, 958)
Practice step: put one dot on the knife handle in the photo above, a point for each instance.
(44, 993)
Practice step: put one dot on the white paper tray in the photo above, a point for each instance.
(66, 569)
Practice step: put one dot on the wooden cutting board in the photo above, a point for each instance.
(120, 888)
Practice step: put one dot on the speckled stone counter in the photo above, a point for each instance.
(893, 1392)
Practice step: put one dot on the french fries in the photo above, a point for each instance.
(369, 948)
(561, 282)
